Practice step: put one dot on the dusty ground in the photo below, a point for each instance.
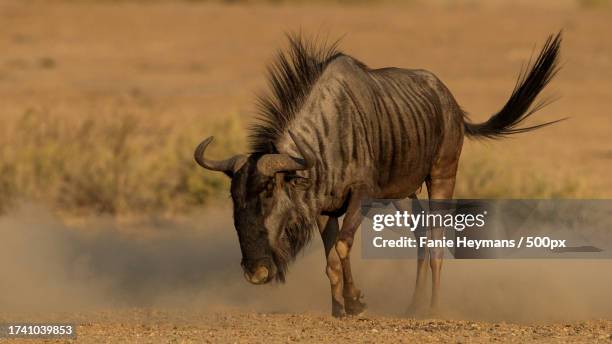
(154, 326)
(192, 62)
(180, 281)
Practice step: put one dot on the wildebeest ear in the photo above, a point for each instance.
(241, 159)
(270, 164)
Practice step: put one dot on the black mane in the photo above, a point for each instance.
(290, 78)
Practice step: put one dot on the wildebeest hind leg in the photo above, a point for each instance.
(439, 188)
(329, 233)
(352, 220)
(418, 304)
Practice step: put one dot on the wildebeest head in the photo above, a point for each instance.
(271, 208)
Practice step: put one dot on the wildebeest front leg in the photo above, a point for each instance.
(329, 233)
(352, 220)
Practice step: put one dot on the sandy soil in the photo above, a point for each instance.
(180, 281)
(155, 326)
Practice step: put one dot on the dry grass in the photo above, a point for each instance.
(102, 105)
(482, 175)
(129, 164)
(123, 164)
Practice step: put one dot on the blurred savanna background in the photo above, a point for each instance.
(103, 102)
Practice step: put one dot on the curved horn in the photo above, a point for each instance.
(270, 164)
(308, 158)
(229, 166)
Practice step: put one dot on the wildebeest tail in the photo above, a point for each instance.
(521, 103)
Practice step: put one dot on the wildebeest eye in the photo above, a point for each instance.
(299, 182)
(268, 191)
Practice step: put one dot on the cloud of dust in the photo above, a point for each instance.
(49, 266)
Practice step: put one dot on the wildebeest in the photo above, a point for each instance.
(333, 132)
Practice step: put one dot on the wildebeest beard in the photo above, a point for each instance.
(294, 238)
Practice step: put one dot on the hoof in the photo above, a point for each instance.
(338, 314)
(354, 307)
(338, 310)
(417, 311)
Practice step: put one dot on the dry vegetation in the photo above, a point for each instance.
(103, 108)
(125, 164)
(111, 164)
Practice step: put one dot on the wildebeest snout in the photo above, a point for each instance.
(260, 273)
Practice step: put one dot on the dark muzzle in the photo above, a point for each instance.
(259, 272)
